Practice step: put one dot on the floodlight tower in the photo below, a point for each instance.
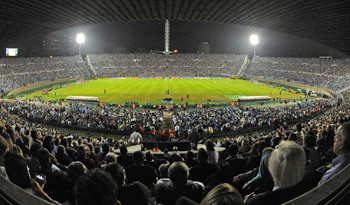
(167, 37)
(254, 39)
(80, 40)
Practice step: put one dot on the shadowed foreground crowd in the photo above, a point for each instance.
(267, 168)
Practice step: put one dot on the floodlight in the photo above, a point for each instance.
(254, 39)
(80, 38)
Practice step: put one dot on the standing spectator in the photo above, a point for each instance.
(135, 137)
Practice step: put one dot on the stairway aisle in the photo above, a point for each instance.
(167, 121)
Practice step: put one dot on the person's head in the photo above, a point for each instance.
(175, 157)
(81, 151)
(224, 173)
(138, 157)
(44, 158)
(178, 173)
(163, 170)
(105, 148)
(96, 187)
(298, 127)
(293, 137)
(287, 164)
(223, 194)
(135, 193)
(210, 146)
(123, 150)
(110, 157)
(202, 155)
(232, 150)
(261, 146)
(4, 148)
(149, 156)
(189, 155)
(75, 170)
(61, 150)
(34, 148)
(309, 141)
(48, 143)
(117, 172)
(16, 169)
(342, 139)
(8, 140)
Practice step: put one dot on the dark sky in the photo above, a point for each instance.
(185, 37)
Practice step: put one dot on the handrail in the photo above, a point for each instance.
(11, 194)
(328, 193)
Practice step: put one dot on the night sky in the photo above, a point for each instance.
(185, 37)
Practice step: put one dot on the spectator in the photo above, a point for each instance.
(341, 149)
(203, 170)
(3, 150)
(167, 192)
(96, 187)
(287, 166)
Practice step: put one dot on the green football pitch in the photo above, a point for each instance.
(154, 90)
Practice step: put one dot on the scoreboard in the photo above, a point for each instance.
(11, 51)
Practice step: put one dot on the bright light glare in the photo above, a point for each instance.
(254, 39)
(80, 38)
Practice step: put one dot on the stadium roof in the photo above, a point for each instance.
(323, 21)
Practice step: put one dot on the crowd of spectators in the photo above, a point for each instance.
(183, 65)
(330, 74)
(85, 116)
(271, 167)
(17, 72)
(238, 118)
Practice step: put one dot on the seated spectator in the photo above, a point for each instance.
(190, 160)
(341, 149)
(203, 170)
(135, 193)
(239, 165)
(287, 167)
(3, 150)
(110, 158)
(74, 171)
(224, 194)
(262, 181)
(314, 158)
(254, 160)
(83, 156)
(168, 191)
(96, 187)
(224, 174)
(33, 162)
(155, 148)
(18, 174)
(55, 179)
(62, 156)
(117, 172)
(244, 147)
(105, 149)
(124, 159)
(138, 171)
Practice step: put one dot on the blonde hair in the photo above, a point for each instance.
(223, 194)
(287, 164)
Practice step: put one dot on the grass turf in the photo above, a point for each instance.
(154, 90)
